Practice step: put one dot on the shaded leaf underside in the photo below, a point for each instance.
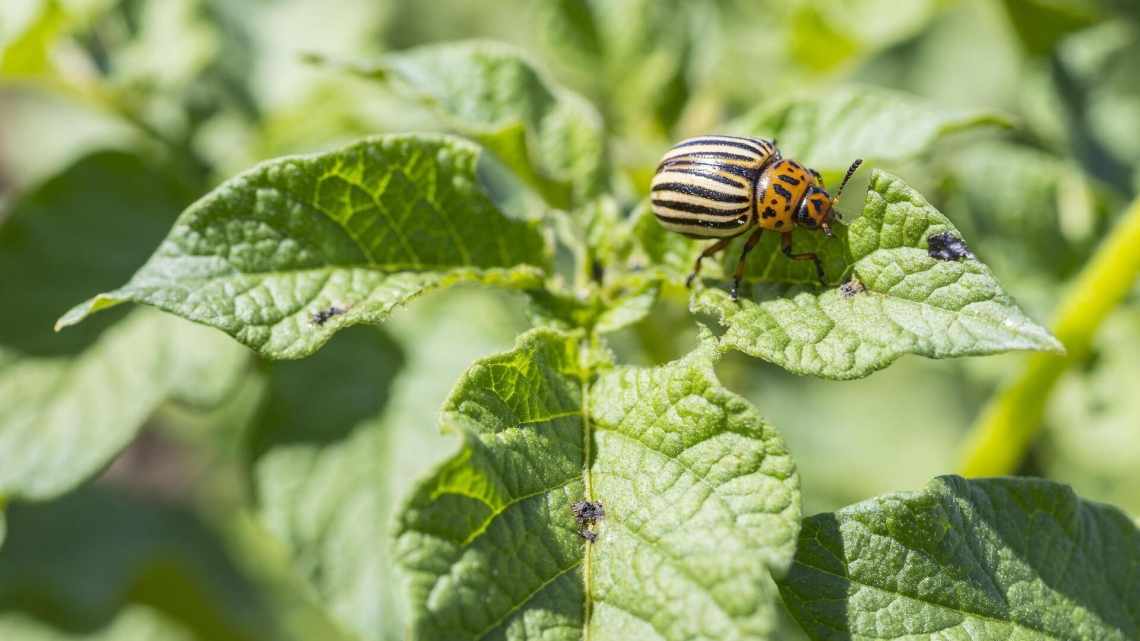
(1020, 559)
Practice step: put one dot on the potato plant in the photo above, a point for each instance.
(393, 346)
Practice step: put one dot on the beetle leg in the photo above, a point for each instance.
(739, 275)
(709, 251)
(786, 240)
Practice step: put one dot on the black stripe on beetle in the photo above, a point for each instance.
(689, 166)
(737, 142)
(722, 155)
(779, 189)
(701, 192)
(789, 179)
(709, 173)
(694, 208)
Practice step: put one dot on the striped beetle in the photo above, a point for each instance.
(724, 186)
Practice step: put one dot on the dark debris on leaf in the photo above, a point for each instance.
(322, 316)
(587, 512)
(852, 287)
(947, 246)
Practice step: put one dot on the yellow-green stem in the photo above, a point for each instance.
(1008, 424)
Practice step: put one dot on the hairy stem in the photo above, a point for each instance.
(1008, 424)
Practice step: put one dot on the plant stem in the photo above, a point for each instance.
(1008, 424)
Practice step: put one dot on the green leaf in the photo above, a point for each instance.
(1035, 218)
(700, 496)
(825, 35)
(63, 419)
(641, 61)
(134, 623)
(827, 132)
(342, 237)
(28, 53)
(910, 303)
(986, 559)
(573, 25)
(316, 460)
(131, 551)
(1040, 24)
(69, 403)
(551, 137)
(332, 459)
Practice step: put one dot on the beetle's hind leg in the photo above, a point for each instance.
(709, 251)
(786, 241)
(739, 274)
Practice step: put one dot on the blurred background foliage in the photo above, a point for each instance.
(215, 521)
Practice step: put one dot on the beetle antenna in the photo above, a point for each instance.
(850, 172)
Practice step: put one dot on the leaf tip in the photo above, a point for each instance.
(77, 314)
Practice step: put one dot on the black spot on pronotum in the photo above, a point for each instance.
(791, 180)
(947, 246)
(768, 213)
(779, 189)
(322, 316)
(852, 287)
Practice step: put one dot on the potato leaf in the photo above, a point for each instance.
(549, 136)
(70, 402)
(1000, 558)
(827, 132)
(901, 300)
(342, 440)
(700, 502)
(64, 419)
(81, 561)
(284, 255)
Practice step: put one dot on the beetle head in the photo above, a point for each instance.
(817, 209)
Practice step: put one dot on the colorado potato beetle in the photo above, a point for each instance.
(724, 186)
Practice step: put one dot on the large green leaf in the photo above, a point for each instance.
(550, 136)
(283, 256)
(80, 560)
(905, 301)
(63, 419)
(69, 403)
(829, 131)
(317, 457)
(986, 559)
(332, 459)
(701, 501)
